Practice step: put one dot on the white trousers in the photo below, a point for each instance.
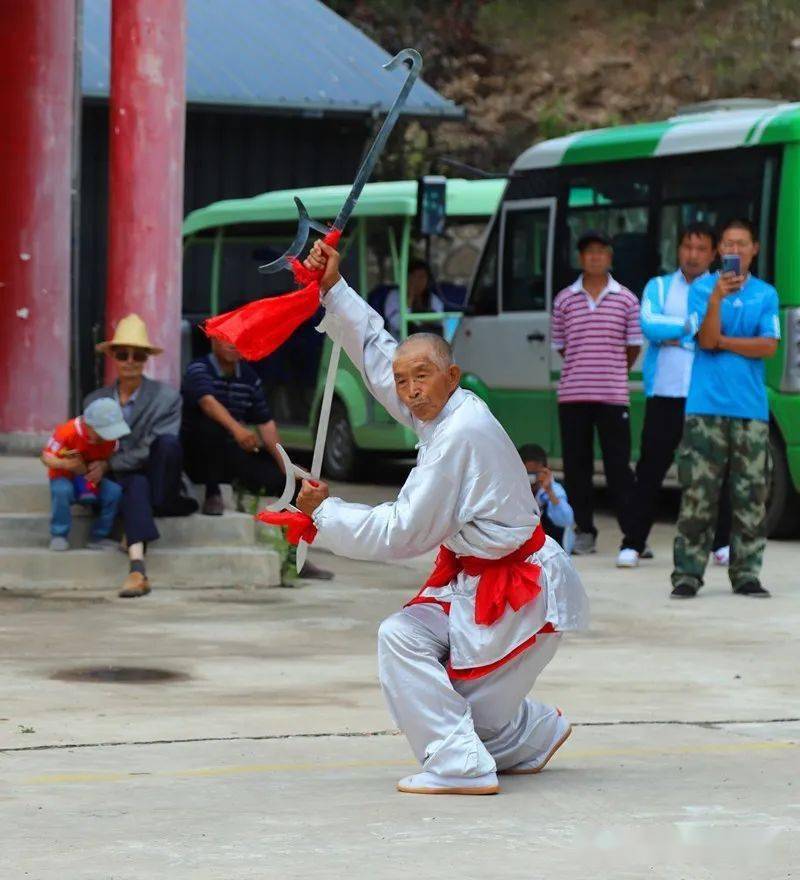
(462, 728)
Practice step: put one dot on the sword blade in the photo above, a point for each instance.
(414, 61)
(322, 435)
(325, 411)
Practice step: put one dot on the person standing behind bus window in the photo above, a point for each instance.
(735, 318)
(419, 298)
(595, 329)
(667, 370)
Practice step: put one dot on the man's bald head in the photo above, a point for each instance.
(437, 348)
(424, 374)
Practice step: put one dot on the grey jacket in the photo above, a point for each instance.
(156, 411)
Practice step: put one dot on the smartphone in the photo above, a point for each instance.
(731, 263)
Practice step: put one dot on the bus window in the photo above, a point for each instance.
(697, 190)
(615, 201)
(454, 260)
(525, 260)
(483, 297)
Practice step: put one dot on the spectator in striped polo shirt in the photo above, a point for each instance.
(595, 328)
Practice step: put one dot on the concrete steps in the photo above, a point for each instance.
(230, 530)
(196, 551)
(195, 567)
(25, 495)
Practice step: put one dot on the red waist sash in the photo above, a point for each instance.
(508, 580)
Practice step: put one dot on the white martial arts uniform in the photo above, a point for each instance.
(469, 492)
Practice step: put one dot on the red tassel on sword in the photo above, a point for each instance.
(260, 327)
(299, 526)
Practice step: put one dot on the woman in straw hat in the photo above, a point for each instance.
(149, 462)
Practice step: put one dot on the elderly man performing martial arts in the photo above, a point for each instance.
(457, 663)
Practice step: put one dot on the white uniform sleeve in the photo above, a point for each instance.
(360, 330)
(427, 511)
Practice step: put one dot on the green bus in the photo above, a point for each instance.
(225, 242)
(640, 184)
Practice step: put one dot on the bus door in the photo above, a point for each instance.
(509, 351)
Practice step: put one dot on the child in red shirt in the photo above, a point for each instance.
(77, 457)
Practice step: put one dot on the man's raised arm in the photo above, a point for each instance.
(359, 328)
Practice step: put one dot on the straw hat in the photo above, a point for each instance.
(131, 332)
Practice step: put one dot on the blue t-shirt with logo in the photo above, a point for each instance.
(725, 383)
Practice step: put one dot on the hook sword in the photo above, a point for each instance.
(414, 62)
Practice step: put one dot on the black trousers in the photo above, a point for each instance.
(152, 491)
(213, 456)
(578, 423)
(552, 530)
(661, 436)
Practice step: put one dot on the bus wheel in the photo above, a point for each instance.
(783, 505)
(341, 452)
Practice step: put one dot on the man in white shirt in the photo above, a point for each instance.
(457, 663)
(667, 372)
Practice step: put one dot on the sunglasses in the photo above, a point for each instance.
(126, 354)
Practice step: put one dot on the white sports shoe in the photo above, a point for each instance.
(722, 556)
(627, 558)
(563, 731)
(432, 783)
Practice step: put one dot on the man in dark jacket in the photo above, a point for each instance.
(149, 462)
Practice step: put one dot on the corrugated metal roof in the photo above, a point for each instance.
(272, 54)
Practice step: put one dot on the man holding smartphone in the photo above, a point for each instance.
(735, 319)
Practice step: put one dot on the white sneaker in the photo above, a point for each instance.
(722, 556)
(432, 783)
(563, 731)
(627, 558)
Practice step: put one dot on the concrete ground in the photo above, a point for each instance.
(271, 755)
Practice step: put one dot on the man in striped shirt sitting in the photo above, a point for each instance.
(595, 328)
(222, 398)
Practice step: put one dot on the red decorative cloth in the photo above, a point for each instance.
(260, 327)
(299, 526)
(508, 580)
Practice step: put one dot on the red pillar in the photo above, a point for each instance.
(36, 97)
(147, 121)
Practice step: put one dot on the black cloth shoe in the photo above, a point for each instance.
(752, 588)
(683, 591)
(313, 573)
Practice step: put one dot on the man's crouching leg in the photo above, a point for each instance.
(520, 734)
(412, 648)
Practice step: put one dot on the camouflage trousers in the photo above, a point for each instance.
(712, 445)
